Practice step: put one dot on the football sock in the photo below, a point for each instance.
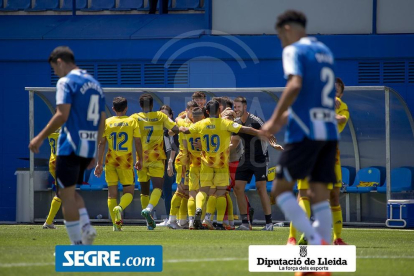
(84, 219)
(323, 219)
(305, 204)
(200, 199)
(221, 208)
(229, 207)
(175, 204)
(74, 231)
(183, 210)
(268, 219)
(211, 206)
(111, 205)
(337, 221)
(155, 197)
(144, 201)
(126, 199)
(54, 208)
(191, 207)
(290, 207)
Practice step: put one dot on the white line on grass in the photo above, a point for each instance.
(202, 260)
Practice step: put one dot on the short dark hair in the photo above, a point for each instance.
(168, 108)
(146, 101)
(213, 107)
(120, 103)
(199, 94)
(240, 99)
(340, 83)
(197, 111)
(291, 16)
(191, 104)
(62, 52)
(206, 115)
(229, 102)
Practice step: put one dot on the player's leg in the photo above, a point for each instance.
(229, 216)
(206, 181)
(322, 174)
(167, 194)
(221, 178)
(183, 212)
(144, 181)
(54, 208)
(176, 199)
(111, 177)
(303, 200)
(241, 200)
(194, 186)
(265, 200)
(127, 179)
(210, 209)
(334, 201)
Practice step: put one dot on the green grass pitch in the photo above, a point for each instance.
(28, 249)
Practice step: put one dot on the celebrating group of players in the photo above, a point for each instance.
(209, 138)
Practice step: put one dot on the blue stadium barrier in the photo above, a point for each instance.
(269, 186)
(67, 5)
(366, 175)
(401, 180)
(16, 5)
(43, 5)
(127, 5)
(95, 183)
(346, 176)
(184, 5)
(145, 6)
(100, 5)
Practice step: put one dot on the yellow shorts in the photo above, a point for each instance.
(212, 177)
(179, 170)
(153, 169)
(194, 178)
(113, 175)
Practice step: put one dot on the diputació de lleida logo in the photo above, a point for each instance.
(303, 251)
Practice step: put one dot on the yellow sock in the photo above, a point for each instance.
(305, 204)
(111, 205)
(191, 207)
(211, 206)
(175, 204)
(221, 208)
(200, 199)
(183, 208)
(155, 197)
(337, 221)
(126, 199)
(229, 207)
(144, 201)
(204, 209)
(54, 208)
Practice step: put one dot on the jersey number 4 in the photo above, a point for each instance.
(93, 109)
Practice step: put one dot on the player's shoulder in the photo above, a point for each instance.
(255, 118)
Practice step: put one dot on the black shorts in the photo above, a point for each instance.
(315, 159)
(246, 170)
(70, 169)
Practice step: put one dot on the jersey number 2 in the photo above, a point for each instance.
(327, 75)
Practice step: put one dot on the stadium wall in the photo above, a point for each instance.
(212, 61)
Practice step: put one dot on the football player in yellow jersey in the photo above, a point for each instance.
(151, 124)
(120, 131)
(56, 202)
(342, 116)
(200, 98)
(215, 136)
(179, 200)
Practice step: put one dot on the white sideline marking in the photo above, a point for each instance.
(203, 260)
(379, 229)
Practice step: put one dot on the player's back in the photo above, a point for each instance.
(120, 132)
(80, 132)
(312, 114)
(151, 125)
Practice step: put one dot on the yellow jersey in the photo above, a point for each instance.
(151, 125)
(120, 131)
(193, 153)
(53, 141)
(215, 134)
(181, 158)
(342, 110)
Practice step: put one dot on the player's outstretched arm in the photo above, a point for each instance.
(234, 142)
(175, 129)
(138, 153)
(184, 130)
(101, 152)
(293, 87)
(60, 117)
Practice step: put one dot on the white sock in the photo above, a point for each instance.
(208, 216)
(150, 207)
(172, 218)
(290, 207)
(74, 231)
(84, 219)
(323, 219)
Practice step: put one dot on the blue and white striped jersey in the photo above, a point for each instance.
(80, 132)
(312, 115)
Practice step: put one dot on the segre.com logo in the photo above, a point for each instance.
(108, 258)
